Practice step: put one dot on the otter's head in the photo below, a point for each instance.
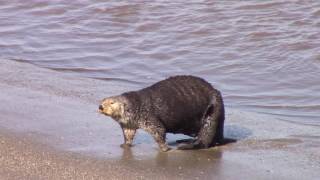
(113, 107)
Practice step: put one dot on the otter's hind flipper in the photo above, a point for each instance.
(194, 145)
(185, 144)
(185, 141)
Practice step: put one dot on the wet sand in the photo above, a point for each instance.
(50, 129)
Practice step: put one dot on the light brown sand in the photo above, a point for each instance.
(50, 129)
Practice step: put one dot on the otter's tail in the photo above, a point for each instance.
(220, 119)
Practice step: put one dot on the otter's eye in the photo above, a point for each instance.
(111, 102)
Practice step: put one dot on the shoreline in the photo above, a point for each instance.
(50, 129)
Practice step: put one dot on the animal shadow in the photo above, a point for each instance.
(232, 133)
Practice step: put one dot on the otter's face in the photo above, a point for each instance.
(111, 107)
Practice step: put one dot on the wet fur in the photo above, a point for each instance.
(179, 104)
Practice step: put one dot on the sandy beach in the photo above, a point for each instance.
(50, 129)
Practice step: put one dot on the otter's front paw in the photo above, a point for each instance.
(126, 145)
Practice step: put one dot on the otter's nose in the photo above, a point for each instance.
(101, 107)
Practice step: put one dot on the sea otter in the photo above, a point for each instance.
(179, 104)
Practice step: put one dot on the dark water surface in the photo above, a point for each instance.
(263, 55)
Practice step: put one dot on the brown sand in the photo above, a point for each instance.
(50, 129)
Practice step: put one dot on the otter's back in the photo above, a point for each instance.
(179, 101)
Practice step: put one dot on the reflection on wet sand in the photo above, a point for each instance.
(193, 163)
(185, 157)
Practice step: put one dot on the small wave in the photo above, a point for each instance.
(293, 115)
(291, 107)
(148, 27)
(261, 6)
(118, 79)
(300, 46)
(79, 69)
(264, 35)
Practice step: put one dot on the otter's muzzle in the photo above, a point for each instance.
(100, 107)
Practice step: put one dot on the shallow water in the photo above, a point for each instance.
(264, 56)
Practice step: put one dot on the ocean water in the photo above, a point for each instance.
(263, 55)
